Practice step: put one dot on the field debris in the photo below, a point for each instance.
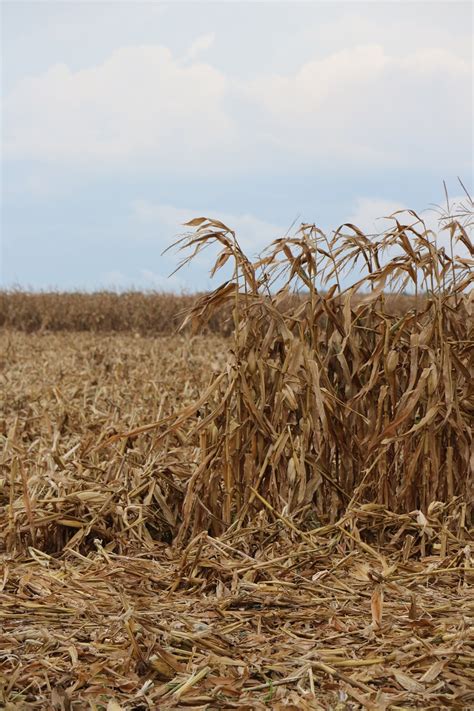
(113, 615)
(221, 630)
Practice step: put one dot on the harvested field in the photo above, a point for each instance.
(98, 607)
(279, 519)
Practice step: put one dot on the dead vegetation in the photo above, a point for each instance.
(333, 401)
(146, 313)
(277, 520)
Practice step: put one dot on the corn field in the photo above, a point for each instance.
(146, 313)
(269, 509)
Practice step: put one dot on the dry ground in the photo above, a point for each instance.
(100, 611)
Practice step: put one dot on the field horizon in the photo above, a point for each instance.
(140, 311)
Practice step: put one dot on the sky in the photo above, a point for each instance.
(122, 120)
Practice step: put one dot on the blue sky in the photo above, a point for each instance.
(121, 120)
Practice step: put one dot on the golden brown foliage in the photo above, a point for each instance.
(62, 395)
(146, 313)
(151, 313)
(99, 608)
(334, 399)
(277, 519)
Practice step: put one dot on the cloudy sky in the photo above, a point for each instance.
(122, 120)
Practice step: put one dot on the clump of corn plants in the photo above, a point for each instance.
(330, 398)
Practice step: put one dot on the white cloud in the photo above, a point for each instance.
(435, 61)
(200, 44)
(141, 279)
(114, 279)
(140, 103)
(252, 233)
(360, 106)
(316, 81)
(161, 282)
(369, 213)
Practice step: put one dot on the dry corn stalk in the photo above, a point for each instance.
(329, 397)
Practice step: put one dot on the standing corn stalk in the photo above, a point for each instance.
(334, 397)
